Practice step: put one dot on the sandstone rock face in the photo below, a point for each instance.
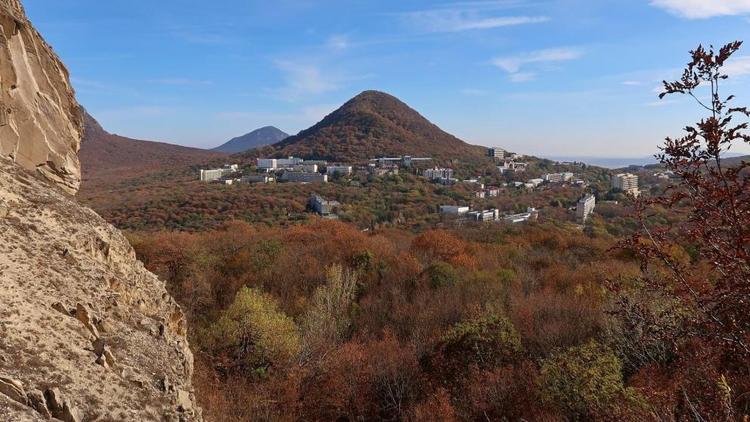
(40, 120)
(86, 332)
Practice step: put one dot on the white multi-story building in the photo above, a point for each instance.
(626, 182)
(453, 209)
(256, 178)
(309, 168)
(289, 162)
(530, 214)
(558, 177)
(496, 153)
(513, 166)
(296, 176)
(383, 170)
(342, 170)
(438, 173)
(211, 175)
(585, 207)
(446, 181)
(216, 174)
(267, 164)
(486, 215)
(536, 182)
(323, 206)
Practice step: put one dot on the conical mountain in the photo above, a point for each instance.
(264, 136)
(375, 124)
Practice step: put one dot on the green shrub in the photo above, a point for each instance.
(584, 381)
(442, 274)
(489, 341)
(254, 333)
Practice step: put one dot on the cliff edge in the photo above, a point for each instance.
(40, 121)
(86, 332)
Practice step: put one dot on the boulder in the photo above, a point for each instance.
(13, 389)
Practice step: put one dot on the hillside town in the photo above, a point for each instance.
(509, 179)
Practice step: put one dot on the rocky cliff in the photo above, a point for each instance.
(86, 333)
(40, 121)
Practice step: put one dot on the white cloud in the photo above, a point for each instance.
(737, 66)
(515, 64)
(632, 83)
(468, 16)
(703, 9)
(522, 77)
(304, 79)
(338, 42)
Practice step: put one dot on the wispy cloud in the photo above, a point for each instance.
(703, 9)
(632, 83)
(304, 79)
(338, 42)
(468, 16)
(522, 76)
(515, 65)
(737, 66)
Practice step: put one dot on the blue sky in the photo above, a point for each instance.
(545, 77)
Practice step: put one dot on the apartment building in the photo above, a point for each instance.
(256, 178)
(486, 215)
(295, 176)
(438, 173)
(496, 153)
(513, 166)
(453, 209)
(322, 206)
(531, 214)
(266, 164)
(626, 182)
(342, 170)
(585, 207)
(211, 175)
(558, 177)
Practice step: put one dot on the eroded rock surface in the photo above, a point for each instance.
(40, 121)
(86, 332)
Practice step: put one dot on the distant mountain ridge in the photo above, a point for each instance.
(264, 136)
(108, 158)
(623, 162)
(375, 124)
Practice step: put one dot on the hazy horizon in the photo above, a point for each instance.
(548, 78)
